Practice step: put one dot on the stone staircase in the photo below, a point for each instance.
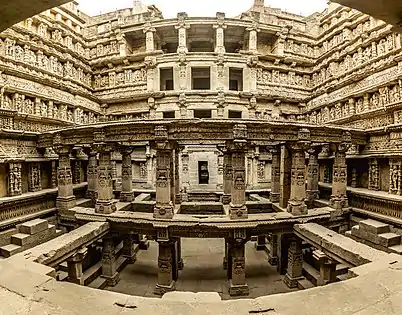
(30, 234)
(376, 234)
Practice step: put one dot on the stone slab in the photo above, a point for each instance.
(373, 226)
(9, 250)
(33, 227)
(34, 239)
(389, 239)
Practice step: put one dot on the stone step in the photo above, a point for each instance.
(341, 269)
(33, 226)
(389, 239)
(342, 277)
(98, 283)
(304, 284)
(374, 227)
(9, 250)
(397, 249)
(22, 239)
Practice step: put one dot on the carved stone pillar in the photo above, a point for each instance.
(77, 173)
(182, 30)
(225, 258)
(353, 182)
(127, 194)
(296, 204)
(327, 268)
(180, 263)
(105, 203)
(14, 179)
(35, 177)
(273, 249)
(65, 199)
(176, 175)
(339, 198)
(53, 183)
(185, 182)
(295, 263)
(312, 192)
(237, 264)
(394, 176)
(166, 267)
(92, 175)
(130, 243)
(274, 196)
(374, 175)
(109, 268)
(285, 175)
(253, 38)
(149, 37)
(220, 33)
(164, 160)
(227, 177)
(74, 265)
(238, 209)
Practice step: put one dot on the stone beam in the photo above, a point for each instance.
(337, 246)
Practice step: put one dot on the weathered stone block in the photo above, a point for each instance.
(9, 250)
(27, 239)
(33, 227)
(389, 239)
(374, 227)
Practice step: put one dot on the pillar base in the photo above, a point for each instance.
(312, 195)
(238, 290)
(126, 196)
(105, 207)
(65, 203)
(130, 259)
(238, 212)
(297, 208)
(111, 281)
(162, 289)
(163, 212)
(292, 283)
(274, 197)
(338, 203)
(225, 199)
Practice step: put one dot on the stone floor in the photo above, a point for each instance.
(203, 271)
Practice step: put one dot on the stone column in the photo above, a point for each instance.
(182, 30)
(220, 33)
(225, 258)
(285, 169)
(35, 177)
(374, 175)
(312, 192)
(166, 267)
(176, 174)
(105, 203)
(65, 199)
(185, 182)
(92, 175)
(130, 248)
(164, 205)
(253, 38)
(238, 209)
(180, 263)
(54, 175)
(237, 264)
(127, 194)
(77, 172)
(327, 268)
(14, 179)
(273, 249)
(74, 265)
(149, 37)
(227, 177)
(274, 196)
(109, 268)
(295, 263)
(296, 204)
(339, 198)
